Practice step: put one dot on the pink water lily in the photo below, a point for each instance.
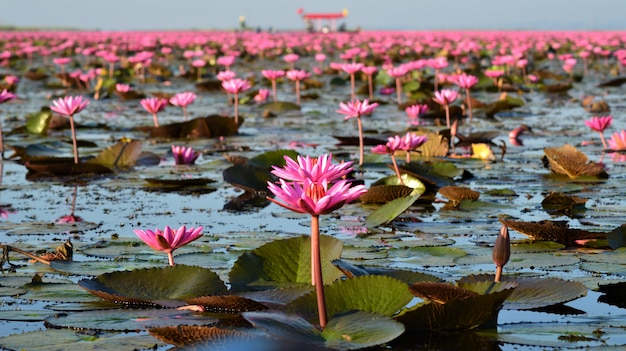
(314, 169)
(321, 193)
(68, 106)
(393, 144)
(466, 82)
(297, 75)
(599, 124)
(415, 111)
(183, 100)
(184, 155)
(261, 96)
(398, 73)
(272, 75)
(352, 69)
(154, 105)
(169, 240)
(445, 97)
(618, 141)
(356, 109)
(236, 86)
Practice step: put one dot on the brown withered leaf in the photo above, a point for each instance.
(382, 194)
(617, 82)
(557, 231)
(456, 194)
(440, 293)
(559, 202)
(569, 161)
(182, 335)
(227, 303)
(236, 159)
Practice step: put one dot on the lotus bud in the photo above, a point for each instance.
(501, 251)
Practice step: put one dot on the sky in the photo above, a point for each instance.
(281, 14)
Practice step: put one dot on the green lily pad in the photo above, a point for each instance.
(379, 294)
(272, 158)
(119, 156)
(280, 107)
(155, 286)
(91, 268)
(409, 277)
(430, 256)
(70, 340)
(284, 262)
(38, 123)
(350, 331)
(11, 291)
(389, 211)
(128, 320)
(26, 315)
(60, 292)
(248, 177)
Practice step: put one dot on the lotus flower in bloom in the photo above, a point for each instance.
(393, 144)
(272, 75)
(122, 88)
(415, 111)
(314, 169)
(356, 109)
(184, 155)
(183, 100)
(618, 141)
(445, 97)
(226, 75)
(169, 240)
(154, 105)
(235, 86)
(599, 124)
(261, 96)
(69, 106)
(317, 189)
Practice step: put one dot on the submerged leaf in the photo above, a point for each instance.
(557, 231)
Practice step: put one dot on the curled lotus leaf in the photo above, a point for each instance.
(226, 303)
(567, 160)
(384, 193)
(456, 194)
(167, 286)
(198, 335)
(454, 308)
(557, 231)
(532, 293)
(436, 146)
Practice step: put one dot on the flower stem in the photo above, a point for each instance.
(603, 140)
(236, 109)
(447, 115)
(74, 142)
(298, 92)
(316, 266)
(498, 274)
(361, 152)
(396, 169)
(1, 142)
(370, 85)
(170, 258)
(469, 111)
(155, 119)
(399, 90)
(352, 88)
(185, 113)
(274, 90)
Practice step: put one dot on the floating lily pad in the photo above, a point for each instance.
(26, 315)
(409, 277)
(60, 292)
(272, 158)
(392, 209)
(200, 336)
(379, 294)
(119, 156)
(284, 262)
(557, 231)
(279, 107)
(70, 340)
(430, 256)
(91, 268)
(128, 320)
(248, 177)
(350, 331)
(155, 286)
(532, 293)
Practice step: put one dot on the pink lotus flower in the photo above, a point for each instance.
(356, 109)
(184, 155)
(313, 169)
(291, 58)
(169, 240)
(272, 75)
(297, 75)
(412, 141)
(398, 73)
(618, 141)
(183, 100)
(154, 105)
(69, 106)
(352, 69)
(261, 96)
(445, 97)
(11, 79)
(465, 81)
(69, 219)
(415, 111)
(122, 88)
(235, 86)
(226, 75)
(393, 144)
(227, 60)
(599, 124)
